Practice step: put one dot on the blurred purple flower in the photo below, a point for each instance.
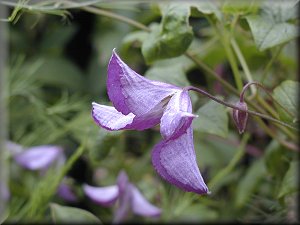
(140, 103)
(39, 157)
(128, 196)
(66, 192)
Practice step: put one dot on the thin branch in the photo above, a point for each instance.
(238, 108)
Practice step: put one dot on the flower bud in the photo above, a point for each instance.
(240, 117)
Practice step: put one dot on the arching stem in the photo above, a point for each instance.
(188, 88)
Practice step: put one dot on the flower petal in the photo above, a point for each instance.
(141, 206)
(102, 195)
(38, 157)
(65, 191)
(124, 203)
(111, 119)
(133, 93)
(175, 161)
(177, 116)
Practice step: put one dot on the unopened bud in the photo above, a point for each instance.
(240, 117)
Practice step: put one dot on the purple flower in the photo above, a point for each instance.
(37, 157)
(240, 117)
(65, 191)
(140, 103)
(128, 196)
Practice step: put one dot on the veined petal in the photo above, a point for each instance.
(111, 119)
(177, 116)
(141, 206)
(102, 195)
(175, 161)
(38, 157)
(133, 93)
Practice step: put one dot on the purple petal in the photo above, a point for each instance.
(39, 157)
(105, 196)
(141, 206)
(65, 192)
(4, 192)
(175, 161)
(133, 93)
(177, 116)
(124, 203)
(111, 119)
(14, 148)
(122, 181)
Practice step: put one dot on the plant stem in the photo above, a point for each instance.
(236, 158)
(238, 108)
(116, 16)
(274, 57)
(225, 40)
(244, 65)
(203, 66)
(271, 133)
(46, 188)
(4, 192)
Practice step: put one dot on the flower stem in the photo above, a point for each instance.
(235, 159)
(272, 134)
(116, 16)
(274, 57)
(244, 65)
(238, 108)
(267, 92)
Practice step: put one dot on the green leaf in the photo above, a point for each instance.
(60, 72)
(212, 119)
(276, 160)
(134, 38)
(290, 183)
(172, 36)
(249, 182)
(207, 8)
(240, 7)
(287, 94)
(272, 26)
(66, 214)
(170, 70)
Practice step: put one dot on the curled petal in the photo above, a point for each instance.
(141, 206)
(111, 119)
(102, 195)
(133, 93)
(177, 116)
(39, 157)
(175, 161)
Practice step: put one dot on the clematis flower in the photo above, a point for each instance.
(140, 103)
(128, 196)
